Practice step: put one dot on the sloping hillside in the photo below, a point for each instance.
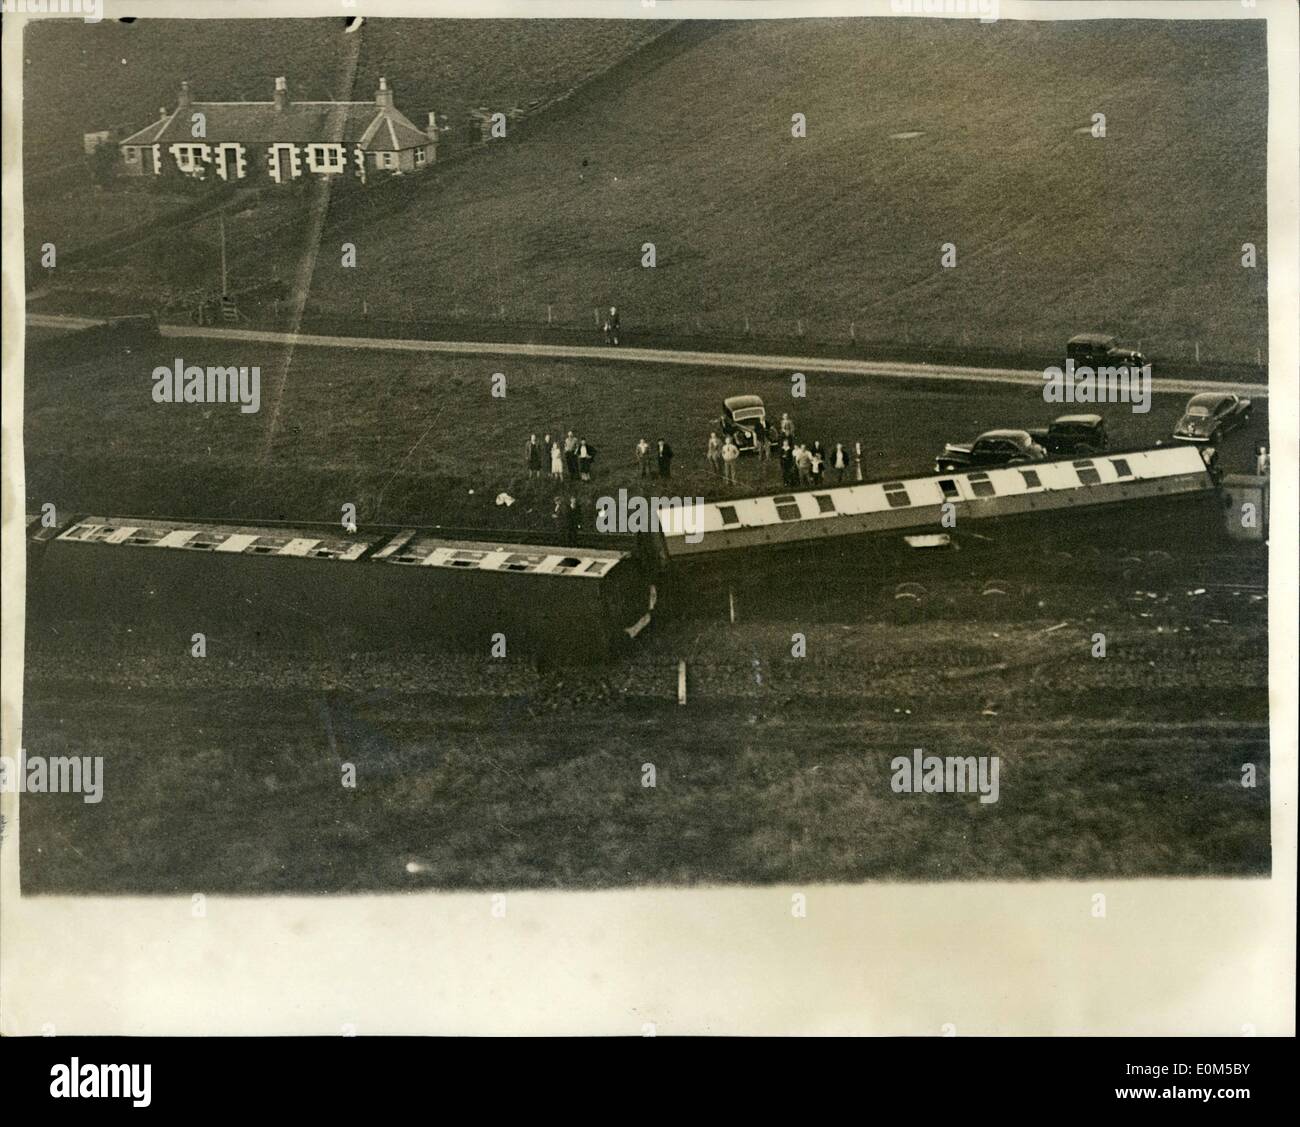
(1055, 230)
(80, 78)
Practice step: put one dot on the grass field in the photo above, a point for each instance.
(689, 147)
(224, 774)
(407, 437)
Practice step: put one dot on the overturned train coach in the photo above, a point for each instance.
(315, 589)
(1164, 495)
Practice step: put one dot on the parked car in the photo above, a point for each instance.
(744, 418)
(1098, 350)
(1210, 415)
(992, 448)
(1072, 434)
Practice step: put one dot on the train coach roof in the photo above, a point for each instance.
(1071, 475)
(414, 549)
(226, 538)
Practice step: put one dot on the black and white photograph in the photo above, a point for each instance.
(657, 453)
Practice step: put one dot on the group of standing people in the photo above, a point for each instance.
(810, 464)
(568, 457)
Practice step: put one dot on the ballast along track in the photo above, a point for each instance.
(1147, 518)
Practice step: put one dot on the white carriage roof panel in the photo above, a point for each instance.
(935, 489)
(536, 559)
(230, 539)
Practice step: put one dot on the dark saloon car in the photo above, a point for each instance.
(1210, 415)
(744, 418)
(1098, 350)
(1072, 434)
(992, 448)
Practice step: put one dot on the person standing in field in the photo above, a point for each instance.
(557, 462)
(571, 455)
(664, 458)
(857, 460)
(586, 453)
(730, 455)
(840, 462)
(715, 452)
(643, 457)
(803, 459)
(533, 456)
(787, 425)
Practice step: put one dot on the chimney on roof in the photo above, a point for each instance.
(281, 94)
(384, 96)
(162, 111)
(432, 129)
(184, 101)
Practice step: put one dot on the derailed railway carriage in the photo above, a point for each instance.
(305, 587)
(1165, 492)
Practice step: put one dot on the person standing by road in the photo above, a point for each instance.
(787, 425)
(533, 456)
(557, 462)
(586, 453)
(857, 460)
(572, 522)
(612, 326)
(1261, 462)
(643, 457)
(730, 455)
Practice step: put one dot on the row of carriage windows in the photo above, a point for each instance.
(896, 495)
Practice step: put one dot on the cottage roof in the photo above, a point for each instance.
(376, 128)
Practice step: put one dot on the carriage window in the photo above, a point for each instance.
(980, 485)
(466, 559)
(596, 567)
(896, 495)
(1031, 479)
(567, 563)
(1087, 472)
(518, 562)
(1121, 467)
(787, 508)
(825, 503)
(728, 514)
(949, 488)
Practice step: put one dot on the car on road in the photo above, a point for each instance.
(1096, 350)
(1211, 415)
(744, 418)
(1072, 435)
(992, 448)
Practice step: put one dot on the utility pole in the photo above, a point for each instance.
(222, 220)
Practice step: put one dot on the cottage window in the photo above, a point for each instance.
(386, 160)
(419, 157)
(189, 158)
(325, 158)
(132, 153)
